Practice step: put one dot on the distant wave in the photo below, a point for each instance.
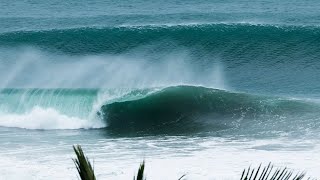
(207, 37)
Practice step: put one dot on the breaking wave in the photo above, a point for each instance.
(192, 108)
(169, 109)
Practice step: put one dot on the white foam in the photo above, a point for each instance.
(118, 159)
(39, 118)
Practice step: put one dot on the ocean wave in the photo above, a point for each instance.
(192, 108)
(183, 108)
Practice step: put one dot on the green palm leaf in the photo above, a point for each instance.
(83, 164)
(269, 173)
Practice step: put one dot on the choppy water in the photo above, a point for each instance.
(198, 87)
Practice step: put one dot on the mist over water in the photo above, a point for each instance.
(32, 68)
(253, 58)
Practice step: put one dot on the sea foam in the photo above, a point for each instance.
(40, 118)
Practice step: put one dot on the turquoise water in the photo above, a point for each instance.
(171, 81)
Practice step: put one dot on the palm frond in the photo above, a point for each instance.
(269, 173)
(83, 164)
(140, 175)
(182, 177)
(86, 171)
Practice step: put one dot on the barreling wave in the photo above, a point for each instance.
(207, 37)
(165, 110)
(191, 108)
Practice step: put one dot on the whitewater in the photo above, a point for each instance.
(202, 88)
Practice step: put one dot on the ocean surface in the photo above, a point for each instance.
(202, 88)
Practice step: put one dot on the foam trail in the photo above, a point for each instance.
(40, 118)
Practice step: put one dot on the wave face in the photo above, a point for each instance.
(175, 109)
(194, 109)
(223, 38)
